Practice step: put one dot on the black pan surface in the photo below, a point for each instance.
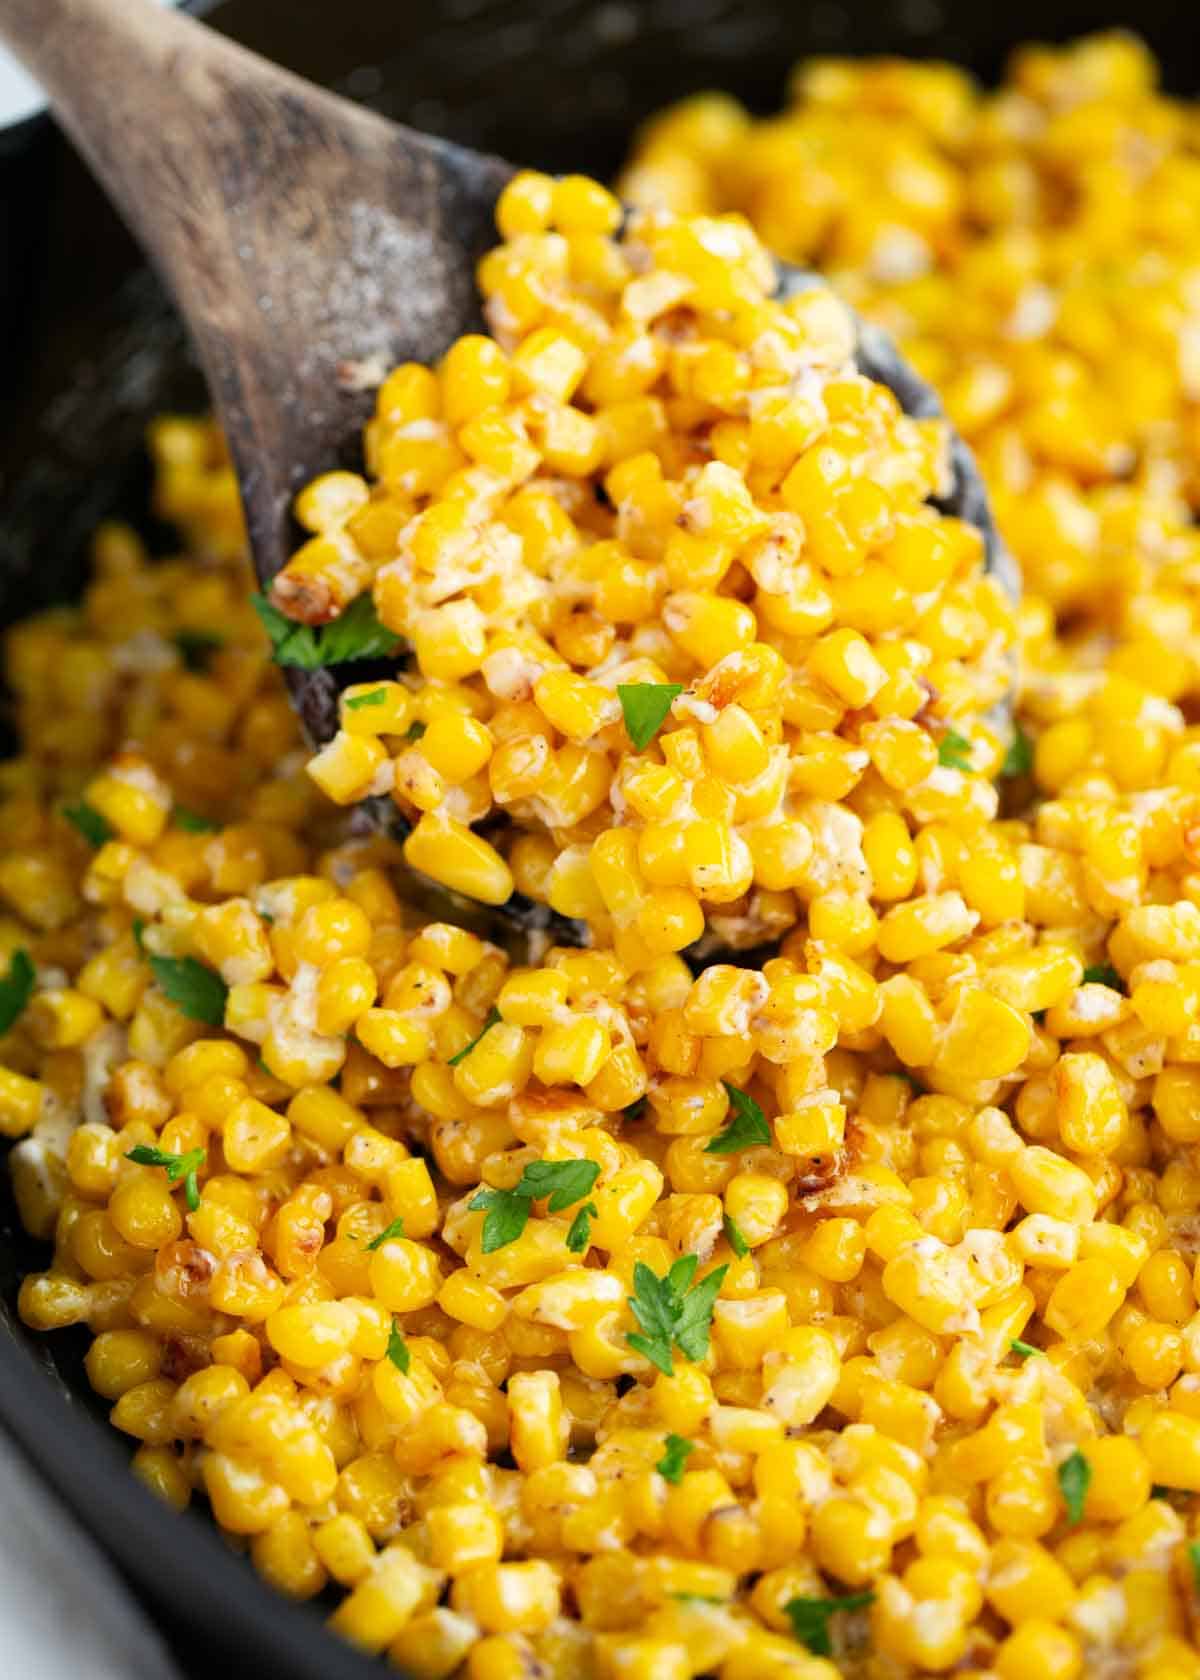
(91, 348)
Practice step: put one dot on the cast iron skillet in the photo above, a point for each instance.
(91, 349)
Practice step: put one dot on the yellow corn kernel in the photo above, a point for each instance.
(571, 1053)
(347, 768)
(508, 1597)
(255, 1137)
(384, 1601)
(60, 1018)
(1045, 1183)
(1091, 1110)
(1083, 1300)
(449, 853)
(984, 1038)
(20, 1103)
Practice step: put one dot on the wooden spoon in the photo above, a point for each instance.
(309, 244)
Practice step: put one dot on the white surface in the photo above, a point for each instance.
(64, 1613)
(20, 96)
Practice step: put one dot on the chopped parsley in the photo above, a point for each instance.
(192, 822)
(1025, 1349)
(1074, 1479)
(645, 707)
(747, 1128)
(1018, 760)
(1103, 974)
(676, 1456)
(354, 634)
(810, 1618)
(954, 751)
(493, 1020)
(373, 697)
(96, 830)
(177, 1166)
(395, 1229)
(397, 1349)
(563, 1182)
(673, 1311)
(734, 1237)
(507, 1216)
(16, 987)
(1193, 1553)
(192, 987)
(579, 1237)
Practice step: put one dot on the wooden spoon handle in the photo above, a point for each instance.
(301, 235)
(136, 85)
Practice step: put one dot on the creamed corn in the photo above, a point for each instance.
(619, 1312)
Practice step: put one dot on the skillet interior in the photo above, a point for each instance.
(559, 83)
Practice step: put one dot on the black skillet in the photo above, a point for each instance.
(90, 350)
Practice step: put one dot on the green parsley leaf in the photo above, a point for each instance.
(697, 1598)
(139, 931)
(671, 1309)
(565, 1182)
(1023, 1348)
(748, 1126)
(16, 987)
(1074, 1478)
(193, 987)
(373, 697)
(954, 751)
(734, 1237)
(1158, 1491)
(1018, 760)
(1194, 1560)
(810, 1618)
(635, 1110)
(695, 1321)
(192, 822)
(395, 1229)
(196, 647)
(178, 1167)
(656, 1309)
(291, 643)
(645, 707)
(415, 730)
(1103, 974)
(493, 1020)
(355, 634)
(507, 1216)
(397, 1349)
(96, 830)
(579, 1237)
(676, 1456)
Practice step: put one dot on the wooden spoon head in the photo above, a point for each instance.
(315, 694)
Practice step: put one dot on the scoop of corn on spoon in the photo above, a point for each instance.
(309, 244)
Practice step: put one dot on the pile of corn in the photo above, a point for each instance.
(656, 477)
(598, 1316)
